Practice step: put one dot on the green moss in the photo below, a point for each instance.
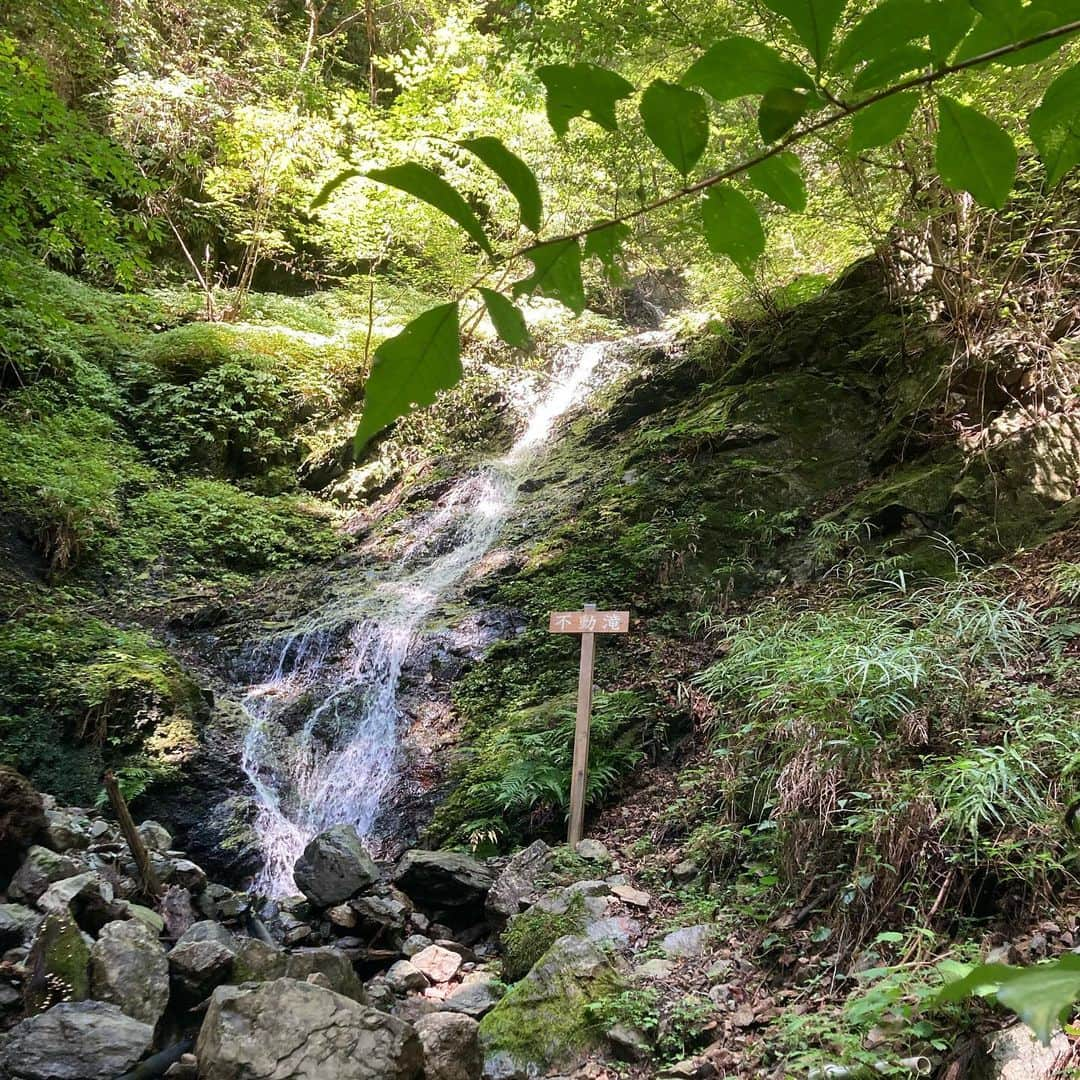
(59, 964)
(78, 695)
(530, 934)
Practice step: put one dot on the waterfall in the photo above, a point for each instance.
(322, 745)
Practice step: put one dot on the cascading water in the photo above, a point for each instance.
(316, 763)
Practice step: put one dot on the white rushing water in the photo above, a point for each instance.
(323, 742)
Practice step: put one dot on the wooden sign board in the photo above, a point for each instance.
(589, 622)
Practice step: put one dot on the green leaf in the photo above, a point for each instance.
(582, 90)
(890, 68)
(781, 110)
(1002, 22)
(514, 173)
(737, 66)
(331, 186)
(813, 20)
(556, 273)
(974, 154)
(421, 182)
(882, 29)
(677, 122)
(947, 21)
(605, 244)
(509, 323)
(1041, 995)
(410, 369)
(780, 177)
(732, 227)
(1055, 125)
(883, 122)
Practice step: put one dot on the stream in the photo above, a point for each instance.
(323, 745)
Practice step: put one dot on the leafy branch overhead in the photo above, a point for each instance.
(869, 76)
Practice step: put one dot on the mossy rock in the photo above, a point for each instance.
(529, 935)
(59, 965)
(544, 1020)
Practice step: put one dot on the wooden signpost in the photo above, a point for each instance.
(588, 624)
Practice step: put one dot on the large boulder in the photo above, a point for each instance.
(475, 998)
(208, 930)
(256, 961)
(128, 967)
(382, 919)
(444, 880)
(334, 867)
(85, 1040)
(544, 1019)
(451, 1046)
(516, 887)
(39, 870)
(285, 1028)
(196, 967)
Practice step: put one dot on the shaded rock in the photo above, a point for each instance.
(221, 902)
(331, 963)
(334, 867)
(438, 964)
(177, 911)
(18, 924)
(89, 897)
(688, 940)
(39, 870)
(196, 967)
(59, 964)
(379, 995)
(543, 1020)
(415, 943)
(155, 836)
(404, 976)
(250, 1031)
(1016, 1054)
(451, 1046)
(685, 871)
(342, 915)
(443, 879)
(515, 888)
(128, 967)
(86, 1040)
(475, 999)
(185, 874)
(66, 830)
(628, 1043)
(256, 961)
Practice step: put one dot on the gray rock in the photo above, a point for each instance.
(186, 874)
(256, 961)
(18, 924)
(86, 1040)
(379, 995)
(475, 999)
(196, 967)
(177, 911)
(689, 940)
(331, 963)
(654, 969)
(685, 871)
(155, 836)
(1016, 1054)
(414, 944)
(38, 871)
(592, 851)
(451, 1046)
(383, 919)
(334, 867)
(516, 886)
(221, 902)
(443, 879)
(250, 1032)
(58, 963)
(628, 1043)
(128, 967)
(60, 895)
(209, 931)
(404, 976)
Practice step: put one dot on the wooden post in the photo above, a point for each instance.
(150, 883)
(579, 777)
(588, 624)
